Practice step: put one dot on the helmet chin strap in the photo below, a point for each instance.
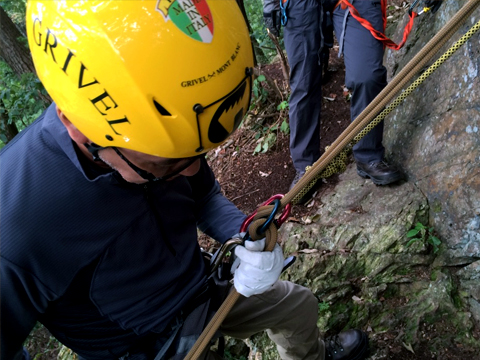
(94, 149)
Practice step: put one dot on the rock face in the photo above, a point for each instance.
(435, 135)
(356, 255)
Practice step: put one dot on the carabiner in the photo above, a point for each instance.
(425, 9)
(283, 12)
(283, 216)
(414, 4)
(217, 258)
(270, 218)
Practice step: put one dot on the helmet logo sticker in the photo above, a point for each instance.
(216, 131)
(192, 17)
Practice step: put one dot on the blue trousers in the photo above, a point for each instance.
(365, 75)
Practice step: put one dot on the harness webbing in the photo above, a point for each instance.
(377, 34)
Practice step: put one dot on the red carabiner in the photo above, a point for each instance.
(283, 217)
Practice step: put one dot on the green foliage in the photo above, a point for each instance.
(20, 101)
(228, 356)
(283, 105)
(259, 93)
(323, 306)
(424, 234)
(254, 9)
(285, 127)
(266, 134)
(266, 142)
(15, 10)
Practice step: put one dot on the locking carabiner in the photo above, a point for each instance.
(278, 222)
(283, 12)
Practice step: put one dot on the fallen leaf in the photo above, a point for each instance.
(408, 347)
(357, 299)
(308, 251)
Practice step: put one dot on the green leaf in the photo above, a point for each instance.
(412, 241)
(413, 232)
(285, 128)
(261, 78)
(257, 148)
(419, 226)
(265, 147)
(434, 240)
(283, 105)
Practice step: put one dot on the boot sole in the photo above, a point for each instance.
(364, 350)
(378, 181)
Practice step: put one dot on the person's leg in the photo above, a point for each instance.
(365, 75)
(288, 311)
(302, 42)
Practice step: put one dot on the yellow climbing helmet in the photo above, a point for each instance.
(170, 78)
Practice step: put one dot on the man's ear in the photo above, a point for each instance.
(74, 133)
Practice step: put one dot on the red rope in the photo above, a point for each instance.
(377, 34)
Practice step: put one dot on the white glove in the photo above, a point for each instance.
(255, 270)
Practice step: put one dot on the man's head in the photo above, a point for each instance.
(170, 79)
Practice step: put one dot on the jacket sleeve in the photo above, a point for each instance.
(19, 314)
(217, 217)
(271, 5)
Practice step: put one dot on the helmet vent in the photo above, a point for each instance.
(161, 109)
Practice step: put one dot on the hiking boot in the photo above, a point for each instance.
(348, 345)
(380, 172)
(308, 195)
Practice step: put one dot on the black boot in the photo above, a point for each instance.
(380, 172)
(348, 345)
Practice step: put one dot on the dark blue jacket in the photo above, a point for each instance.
(100, 262)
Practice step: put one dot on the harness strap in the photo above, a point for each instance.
(377, 34)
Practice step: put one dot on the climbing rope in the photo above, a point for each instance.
(335, 155)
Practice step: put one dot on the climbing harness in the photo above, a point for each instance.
(338, 149)
(377, 34)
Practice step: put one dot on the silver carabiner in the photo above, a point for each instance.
(219, 255)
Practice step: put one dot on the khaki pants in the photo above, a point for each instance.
(288, 312)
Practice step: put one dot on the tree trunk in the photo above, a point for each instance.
(15, 54)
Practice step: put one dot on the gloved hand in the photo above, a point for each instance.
(433, 5)
(254, 270)
(272, 21)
